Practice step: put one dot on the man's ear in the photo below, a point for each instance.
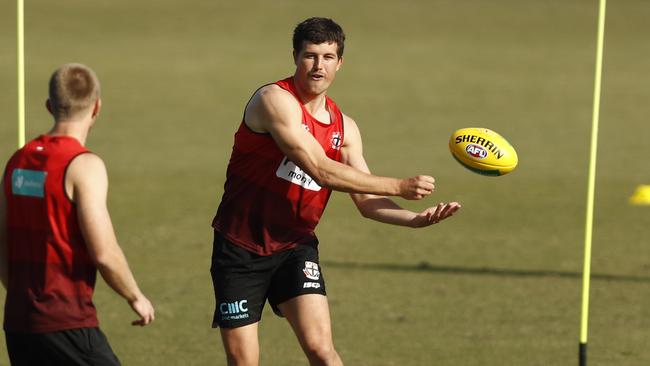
(48, 105)
(97, 107)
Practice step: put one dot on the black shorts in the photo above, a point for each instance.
(243, 280)
(74, 347)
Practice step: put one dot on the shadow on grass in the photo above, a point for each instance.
(427, 267)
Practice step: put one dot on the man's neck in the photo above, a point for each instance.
(70, 128)
(315, 104)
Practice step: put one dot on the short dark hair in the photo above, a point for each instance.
(73, 88)
(318, 30)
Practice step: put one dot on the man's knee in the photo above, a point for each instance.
(240, 355)
(239, 358)
(321, 353)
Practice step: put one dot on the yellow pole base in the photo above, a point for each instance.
(641, 196)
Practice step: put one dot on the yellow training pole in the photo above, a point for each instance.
(21, 73)
(586, 274)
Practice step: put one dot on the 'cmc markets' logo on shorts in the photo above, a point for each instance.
(234, 310)
(311, 270)
(476, 151)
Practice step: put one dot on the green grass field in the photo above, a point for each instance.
(499, 284)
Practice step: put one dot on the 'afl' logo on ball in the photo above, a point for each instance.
(476, 151)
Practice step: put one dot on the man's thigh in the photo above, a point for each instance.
(299, 274)
(241, 280)
(241, 344)
(309, 316)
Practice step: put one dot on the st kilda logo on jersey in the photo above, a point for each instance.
(336, 141)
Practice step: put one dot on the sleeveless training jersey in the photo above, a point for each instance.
(51, 276)
(270, 204)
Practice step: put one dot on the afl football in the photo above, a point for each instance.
(483, 151)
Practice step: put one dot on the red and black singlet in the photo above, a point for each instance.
(270, 204)
(51, 276)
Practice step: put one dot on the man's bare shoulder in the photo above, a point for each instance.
(347, 120)
(269, 104)
(86, 168)
(352, 134)
(87, 160)
(270, 94)
(350, 125)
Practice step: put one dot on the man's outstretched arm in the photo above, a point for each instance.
(275, 111)
(87, 183)
(380, 208)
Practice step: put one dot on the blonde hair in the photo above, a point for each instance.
(73, 88)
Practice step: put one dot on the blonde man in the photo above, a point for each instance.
(56, 232)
